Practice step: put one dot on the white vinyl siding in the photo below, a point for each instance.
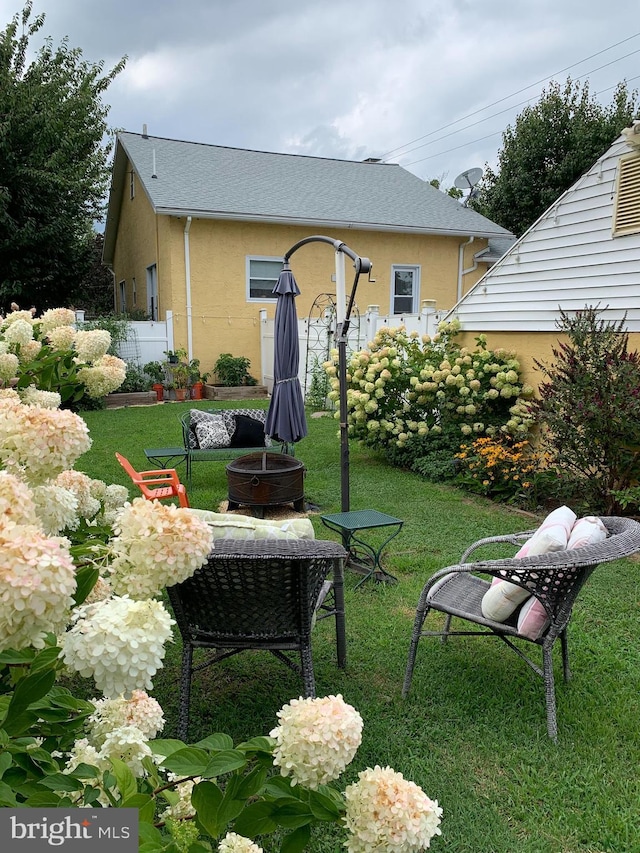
(567, 259)
(262, 277)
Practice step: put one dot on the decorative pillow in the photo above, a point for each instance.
(533, 619)
(212, 433)
(502, 598)
(248, 432)
(198, 416)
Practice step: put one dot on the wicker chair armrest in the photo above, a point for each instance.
(266, 548)
(515, 539)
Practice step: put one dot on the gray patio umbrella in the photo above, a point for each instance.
(286, 420)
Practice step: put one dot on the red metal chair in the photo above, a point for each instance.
(166, 481)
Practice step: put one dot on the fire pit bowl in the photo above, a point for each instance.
(265, 479)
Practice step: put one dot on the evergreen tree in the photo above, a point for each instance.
(53, 164)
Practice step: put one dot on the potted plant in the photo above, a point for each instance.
(233, 370)
(180, 376)
(196, 379)
(156, 372)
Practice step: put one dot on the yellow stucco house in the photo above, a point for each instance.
(200, 231)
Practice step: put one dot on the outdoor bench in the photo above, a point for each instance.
(245, 437)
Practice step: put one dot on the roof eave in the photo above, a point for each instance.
(320, 223)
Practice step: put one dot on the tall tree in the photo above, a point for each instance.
(53, 164)
(551, 145)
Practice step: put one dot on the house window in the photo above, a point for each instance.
(122, 288)
(132, 184)
(134, 292)
(626, 212)
(262, 277)
(405, 289)
(152, 292)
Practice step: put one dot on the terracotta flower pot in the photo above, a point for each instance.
(181, 393)
(196, 391)
(159, 389)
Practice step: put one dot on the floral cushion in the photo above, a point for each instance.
(212, 433)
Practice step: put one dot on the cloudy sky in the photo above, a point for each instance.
(430, 84)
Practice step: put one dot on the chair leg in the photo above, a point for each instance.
(307, 671)
(550, 692)
(565, 655)
(421, 615)
(446, 629)
(185, 691)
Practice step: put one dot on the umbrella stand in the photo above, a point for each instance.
(361, 265)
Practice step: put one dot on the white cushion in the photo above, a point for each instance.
(224, 523)
(502, 598)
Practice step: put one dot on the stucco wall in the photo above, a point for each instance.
(223, 320)
(135, 247)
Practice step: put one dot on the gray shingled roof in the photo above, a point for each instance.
(211, 180)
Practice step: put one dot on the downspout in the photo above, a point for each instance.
(461, 270)
(187, 276)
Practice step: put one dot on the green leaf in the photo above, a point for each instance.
(279, 786)
(5, 762)
(297, 840)
(13, 657)
(86, 578)
(7, 796)
(187, 761)
(29, 690)
(125, 780)
(166, 746)
(62, 782)
(258, 744)
(206, 799)
(323, 807)
(225, 762)
(217, 741)
(145, 804)
(45, 659)
(292, 813)
(256, 819)
(251, 784)
(148, 834)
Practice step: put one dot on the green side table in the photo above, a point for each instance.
(348, 525)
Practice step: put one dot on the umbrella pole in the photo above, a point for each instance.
(344, 430)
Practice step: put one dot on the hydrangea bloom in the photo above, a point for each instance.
(37, 582)
(16, 501)
(16, 315)
(384, 811)
(32, 396)
(80, 485)
(141, 710)
(156, 545)
(19, 332)
(92, 345)
(62, 337)
(40, 443)
(8, 366)
(29, 351)
(55, 317)
(117, 642)
(316, 739)
(56, 508)
(182, 808)
(106, 375)
(234, 843)
(114, 498)
(128, 744)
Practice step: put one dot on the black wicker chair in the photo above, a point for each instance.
(555, 579)
(259, 594)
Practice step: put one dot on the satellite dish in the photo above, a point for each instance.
(467, 181)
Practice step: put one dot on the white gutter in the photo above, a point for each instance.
(324, 223)
(187, 275)
(461, 271)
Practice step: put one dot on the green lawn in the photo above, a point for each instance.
(472, 732)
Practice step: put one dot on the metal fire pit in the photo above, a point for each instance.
(265, 479)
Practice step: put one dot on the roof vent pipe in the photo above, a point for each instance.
(145, 135)
(154, 175)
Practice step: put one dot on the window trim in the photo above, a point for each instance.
(416, 269)
(122, 295)
(132, 184)
(248, 260)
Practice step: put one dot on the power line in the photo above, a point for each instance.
(489, 135)
(515, 106)
(506, 97)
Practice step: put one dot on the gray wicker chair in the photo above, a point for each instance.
(555, 579)
(260, 594)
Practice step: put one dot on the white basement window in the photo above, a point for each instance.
(262, 277)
